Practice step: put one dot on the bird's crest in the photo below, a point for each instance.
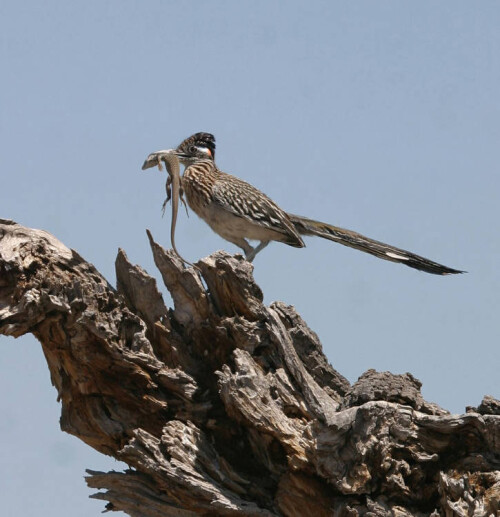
(197, 142)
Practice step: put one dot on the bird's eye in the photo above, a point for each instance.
(192, 149)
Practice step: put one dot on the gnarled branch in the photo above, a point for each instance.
(224, 406)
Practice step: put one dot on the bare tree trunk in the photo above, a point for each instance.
(224, 406)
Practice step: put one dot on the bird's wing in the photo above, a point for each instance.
(244, 200)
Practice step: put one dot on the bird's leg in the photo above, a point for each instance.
(249, 251)
(251, 255)
(244, 245)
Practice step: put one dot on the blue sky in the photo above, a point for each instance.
(382, 117)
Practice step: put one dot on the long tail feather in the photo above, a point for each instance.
(355, 240)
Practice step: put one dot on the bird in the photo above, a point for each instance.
(239, 212)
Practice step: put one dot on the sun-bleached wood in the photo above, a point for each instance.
(222, 405)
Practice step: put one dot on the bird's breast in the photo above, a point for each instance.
(197, 183)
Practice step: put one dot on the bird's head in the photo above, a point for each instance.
(200, 146)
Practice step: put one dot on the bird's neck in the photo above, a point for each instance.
(200, 169)
(198, 181)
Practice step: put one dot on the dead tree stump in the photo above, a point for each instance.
(224, 406)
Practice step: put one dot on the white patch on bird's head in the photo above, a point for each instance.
(205, 150)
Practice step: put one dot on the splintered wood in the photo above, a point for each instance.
(222, 405)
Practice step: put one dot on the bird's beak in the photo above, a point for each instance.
(154, 159)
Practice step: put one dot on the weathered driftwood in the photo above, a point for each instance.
(224, 406)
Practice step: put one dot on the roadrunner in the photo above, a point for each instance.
(237, 211)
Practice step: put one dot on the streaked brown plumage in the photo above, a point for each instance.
(237, 211)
